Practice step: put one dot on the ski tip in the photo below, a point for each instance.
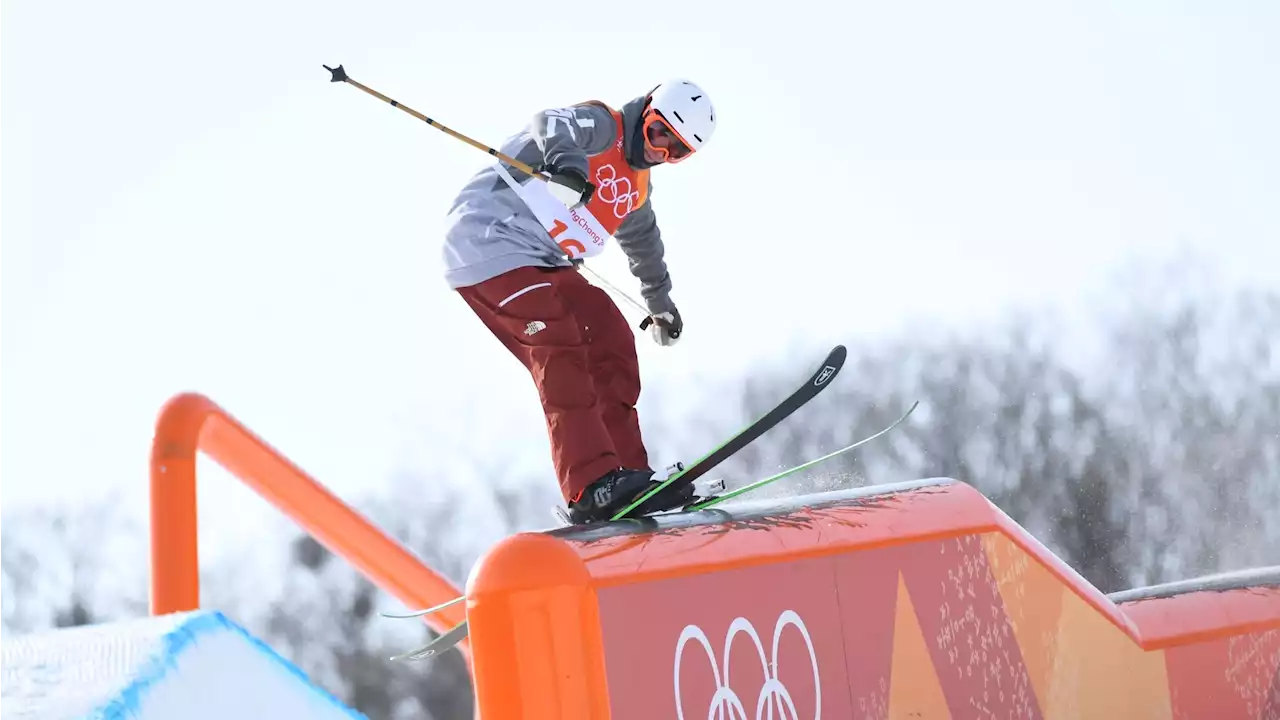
(427, 611)
(442, 643)
(419, 654)
(839, 354)
(907, 414)
(831, 366)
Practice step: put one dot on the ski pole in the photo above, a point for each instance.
(648, 317)
(340, 75)
(634, 303)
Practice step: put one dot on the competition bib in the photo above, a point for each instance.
(578, 233)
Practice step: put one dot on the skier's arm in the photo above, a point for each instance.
(641, 241)
(568, 136)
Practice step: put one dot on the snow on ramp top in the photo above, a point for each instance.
(193, 665)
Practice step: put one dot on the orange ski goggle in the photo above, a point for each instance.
(657, 129)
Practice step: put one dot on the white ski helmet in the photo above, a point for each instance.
(686, 110)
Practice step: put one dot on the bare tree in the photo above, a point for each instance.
(58, 568)
(1159, 463)
(1196, 379)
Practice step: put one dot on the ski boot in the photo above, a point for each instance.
(602, 499)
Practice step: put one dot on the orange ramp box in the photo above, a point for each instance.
(918, 600)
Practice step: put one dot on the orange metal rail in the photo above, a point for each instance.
(190, 423)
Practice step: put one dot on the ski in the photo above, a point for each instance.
(459, 631)
(437, 646)
(715, 500)
(813, 385)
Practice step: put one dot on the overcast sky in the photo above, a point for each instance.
(190, 204)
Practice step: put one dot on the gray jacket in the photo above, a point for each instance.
(490, 230)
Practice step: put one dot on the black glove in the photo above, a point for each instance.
(569, 186)
(665, 327)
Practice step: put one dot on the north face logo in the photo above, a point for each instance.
(602, 496)
(534, 326)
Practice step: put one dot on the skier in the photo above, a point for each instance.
(512, 246)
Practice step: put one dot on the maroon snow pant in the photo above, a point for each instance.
(582, 355)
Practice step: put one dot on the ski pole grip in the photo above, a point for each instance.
(645, 323)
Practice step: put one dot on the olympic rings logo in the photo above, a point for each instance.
(620, 195)
(773, 694)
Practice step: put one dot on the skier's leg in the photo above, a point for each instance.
(613, 365)
(524, 309)
(615, 371)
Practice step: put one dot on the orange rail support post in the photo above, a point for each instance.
(190, 423)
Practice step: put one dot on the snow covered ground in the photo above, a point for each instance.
(197, 665)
